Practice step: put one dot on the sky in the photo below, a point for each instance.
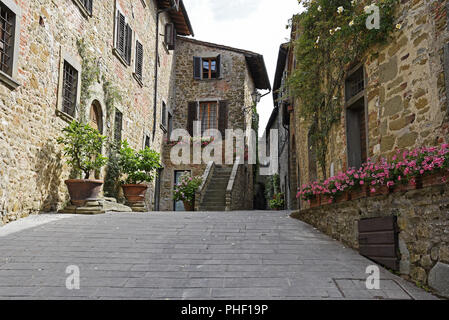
(254, 25)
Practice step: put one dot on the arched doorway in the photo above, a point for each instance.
(96, 116)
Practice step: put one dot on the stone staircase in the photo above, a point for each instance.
(215, 196)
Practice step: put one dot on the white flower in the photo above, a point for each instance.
(319, 8)
(317, 40)
(353, 2)
(351, 23)
(340, 9)
(399, 26)
(337, 28)
(331, 31)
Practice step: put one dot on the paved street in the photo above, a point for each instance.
(238, 255)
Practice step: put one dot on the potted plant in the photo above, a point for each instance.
(140, 167)
(185, 190)
(82, 146)
(277, 202)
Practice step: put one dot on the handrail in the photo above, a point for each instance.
(230, 187)
(199, 194)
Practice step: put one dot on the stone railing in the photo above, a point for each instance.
(423, 222)
(231, 191)
(207, 176)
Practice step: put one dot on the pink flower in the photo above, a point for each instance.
(362, 182)
(373, 190)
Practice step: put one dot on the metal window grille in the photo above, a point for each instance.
(69, 89)
(7, 19)
(355, 84)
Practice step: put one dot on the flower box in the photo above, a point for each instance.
(314, 202)
(379, 191)
(359, 193)
(404, 187)
(345, 196)
(432, 179)
(326, 199)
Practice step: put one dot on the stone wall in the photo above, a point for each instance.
(405, 94)
(32, 170)
(423, 221)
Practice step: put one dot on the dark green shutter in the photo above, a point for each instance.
(223, 118)
(219, 66)
(197, 68)
(191, 117)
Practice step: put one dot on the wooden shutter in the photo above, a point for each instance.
(219, 66)
(170, 36)
(223, 118)
(121, 26)
(197, 68)
(191, 117)
(139, 59)
(88, 5)
(129, 37)
(118, 126)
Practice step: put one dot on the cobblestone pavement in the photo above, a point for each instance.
(237, 255)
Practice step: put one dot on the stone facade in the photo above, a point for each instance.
(405, 96)
(423, 222)
(235, 85)
(33, 170)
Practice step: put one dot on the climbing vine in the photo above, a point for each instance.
(331, 35)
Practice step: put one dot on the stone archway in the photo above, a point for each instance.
(96, 116)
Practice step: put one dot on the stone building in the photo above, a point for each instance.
(395, 98)
(213, 84)
(68, 59)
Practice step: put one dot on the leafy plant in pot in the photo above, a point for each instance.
(140, 167)
(185, 190)
(82, 147)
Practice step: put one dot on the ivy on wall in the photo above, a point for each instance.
(331, 35)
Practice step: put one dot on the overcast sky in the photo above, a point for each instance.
(255, 25)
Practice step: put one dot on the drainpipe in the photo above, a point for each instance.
(156, 68)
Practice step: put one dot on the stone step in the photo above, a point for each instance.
(213, 208)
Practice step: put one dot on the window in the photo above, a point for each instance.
(139, 60)
(7, 18)
(69, 89)
(356, 118)
(10, 15)
(164, 114)
(170, 124)
(118, 126)
(208, 116)
(85, 5)
(123, 38)
(147, 142)
(170, 36)
(207, 68)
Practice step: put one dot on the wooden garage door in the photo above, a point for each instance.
(378, 241)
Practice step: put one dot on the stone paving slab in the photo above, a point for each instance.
(199, 255)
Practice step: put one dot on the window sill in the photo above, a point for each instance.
(138, 79)
(121, 59)
(9, 81)
(83, 10)
(64, 116)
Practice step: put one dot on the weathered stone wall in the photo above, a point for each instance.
(32, 170)
(423, 221)
(405, 95)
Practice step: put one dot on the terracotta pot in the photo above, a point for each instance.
(345, 196)
(315, 202)
(359, 193)
(83, 190)
(134, 193)
(434, 179)
(188, 206)
(380, 190)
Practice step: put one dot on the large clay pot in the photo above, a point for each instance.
(188, 206)
(83, 190)
(134, 193)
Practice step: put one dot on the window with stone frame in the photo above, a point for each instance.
(164, 115)
(123, 38)
(118, 125)
(169, 124)
(7, 22)
(356, 117)
(211, 115)
(147, 142)
(69, 89)
(207, 68)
